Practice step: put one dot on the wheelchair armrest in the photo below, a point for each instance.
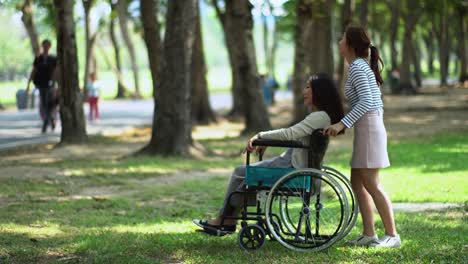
(278, 143)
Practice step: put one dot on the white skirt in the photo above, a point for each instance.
(370, 142)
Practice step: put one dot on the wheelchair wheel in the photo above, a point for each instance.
(251, 237)
(352, 202)
(311, 205)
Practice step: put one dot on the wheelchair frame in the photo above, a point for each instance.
(256, 233)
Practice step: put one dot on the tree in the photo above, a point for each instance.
(151, 31)
(28, 21)
(90, 38)
(123, 21)
(171, 134)
(313, 32)
(270, 44)
(428, 38)
(394, 6)
(71, 107)
(320, 37)
(364, 13)
(237, 24)
(303, 21)
(121, 89)
(200, 109)
(462, 29)
(442, 32)
(411, 15)
(347, 14)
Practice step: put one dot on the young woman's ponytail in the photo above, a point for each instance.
(374, 64)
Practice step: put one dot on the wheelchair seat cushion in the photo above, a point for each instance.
(267, 176)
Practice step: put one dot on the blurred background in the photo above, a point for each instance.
(435, 30)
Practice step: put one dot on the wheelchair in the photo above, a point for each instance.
(303, 209)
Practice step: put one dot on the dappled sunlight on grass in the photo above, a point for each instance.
(220, 130)
(36, 230)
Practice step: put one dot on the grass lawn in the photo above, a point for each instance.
(65, 216)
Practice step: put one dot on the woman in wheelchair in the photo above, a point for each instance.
(321, 96)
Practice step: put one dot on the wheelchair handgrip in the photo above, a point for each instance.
(278, 143)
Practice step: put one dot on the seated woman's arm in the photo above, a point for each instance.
(302, 129)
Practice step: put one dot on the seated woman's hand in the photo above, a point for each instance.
(260, 150)
(334, 129)
(249, 146)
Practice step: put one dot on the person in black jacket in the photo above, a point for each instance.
(43, 76)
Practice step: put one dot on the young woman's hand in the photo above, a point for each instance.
(334, 129)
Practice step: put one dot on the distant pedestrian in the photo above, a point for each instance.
(43, 77)
(92, 89)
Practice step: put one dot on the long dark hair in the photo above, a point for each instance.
(325, 96)
(359, 41)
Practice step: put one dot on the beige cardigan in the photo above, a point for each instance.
(300, 131)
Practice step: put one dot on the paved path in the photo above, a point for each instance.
(19, 128)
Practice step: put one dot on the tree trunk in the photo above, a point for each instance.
(201, 110)
(123, 19)
(266, 49)
(237, 103)
(171, 133)
(301, 52)
(417, 61)
(429, 41)
(320, 38)
(463, 34)
(237, 23)
(364, 13)
(347, 14)
(121, 89)
(151, 35)
(239, 26)
(89, 41)
(395, 9)
(71, 107)
(28, 21)
(274, 47)
(411, 17)
(443, 44)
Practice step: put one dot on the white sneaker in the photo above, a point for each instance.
(388, 241)
(363, 240)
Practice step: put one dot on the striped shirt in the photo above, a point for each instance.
(362, 91)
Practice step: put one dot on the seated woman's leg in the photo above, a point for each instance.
(232, 205)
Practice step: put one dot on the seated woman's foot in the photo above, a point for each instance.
(213, 229)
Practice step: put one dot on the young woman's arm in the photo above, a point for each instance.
(360, 84)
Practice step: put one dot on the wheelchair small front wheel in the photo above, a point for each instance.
(251, 237)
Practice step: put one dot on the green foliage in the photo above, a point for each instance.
(15, 51)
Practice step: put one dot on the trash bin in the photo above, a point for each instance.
(21, 99)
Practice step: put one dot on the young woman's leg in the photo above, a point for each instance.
(383, 204)
(364, 201)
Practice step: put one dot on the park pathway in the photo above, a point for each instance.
(22, 128)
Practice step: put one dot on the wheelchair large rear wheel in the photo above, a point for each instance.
(352, 202)
(316, 212)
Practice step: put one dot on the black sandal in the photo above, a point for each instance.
(215, 230)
